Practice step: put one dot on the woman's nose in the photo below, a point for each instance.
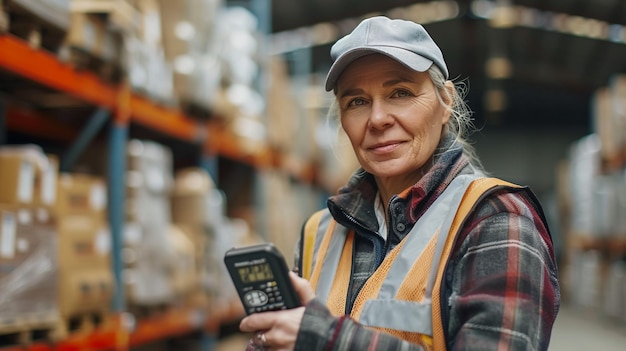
(380, 116)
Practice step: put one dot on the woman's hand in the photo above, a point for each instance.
(280, 328)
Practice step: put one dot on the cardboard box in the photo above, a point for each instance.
(184, 278)
(121, 14)
(91, 34)
(189, 209)
(87, 32)
(45, 193)
(190, 204)
(283, 114)
(18, 168)
(53, 12)
(83, 243)
(84, 290)
(81, 194)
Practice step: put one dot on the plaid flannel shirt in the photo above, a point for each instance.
(501, 287)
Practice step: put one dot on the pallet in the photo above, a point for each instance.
(35, 25)
(91, 45)
(26, 330)
(120, 14)
(195, 110)
(141, 312)
(83, 60)
(86, 322)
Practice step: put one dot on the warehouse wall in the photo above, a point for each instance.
(525, 156)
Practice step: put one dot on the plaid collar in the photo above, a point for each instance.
(353, 205)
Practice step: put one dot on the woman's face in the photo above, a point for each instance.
(391, 115)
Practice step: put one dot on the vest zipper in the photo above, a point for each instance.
(389, 216)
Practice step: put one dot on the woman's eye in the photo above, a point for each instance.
(357, 102)
(401, 93)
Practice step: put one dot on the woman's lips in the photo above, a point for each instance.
(384, 148)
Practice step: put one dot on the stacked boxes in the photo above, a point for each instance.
(197, 208)
(184, 280)
(55, 264)
(121, 15)
(150, 73)
(90, 34)
(52, 12)
(127, 35)
(584, 168)
(596, 202)
(28, 268)
(44, 23)
(188, 43)
(28, 260)
(153, 248)
(609, 121)
(85, 276)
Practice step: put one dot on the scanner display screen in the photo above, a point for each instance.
(255, 273)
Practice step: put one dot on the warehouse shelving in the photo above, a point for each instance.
(614, 246)
(614, 162)
(122, 333)
(27, 121)
(123, 107)
(46, 69)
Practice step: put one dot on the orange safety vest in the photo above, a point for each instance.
(402, 297)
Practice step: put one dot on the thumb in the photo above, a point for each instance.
(303, 288)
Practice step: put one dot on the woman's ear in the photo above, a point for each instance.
(448, 93)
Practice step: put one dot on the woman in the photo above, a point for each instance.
(420, 250)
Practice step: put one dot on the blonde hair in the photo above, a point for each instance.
(461, 123)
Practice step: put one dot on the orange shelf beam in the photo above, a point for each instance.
(111, 339)
(225, 313)
(174, 322)
(169, 121)
(222, 142)
(46, 69)
(104, 340)
(31, 123)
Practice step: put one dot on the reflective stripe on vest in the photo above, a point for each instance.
(416, 316)
(383, 311)
(391, 290)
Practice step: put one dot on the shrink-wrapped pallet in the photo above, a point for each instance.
(28, 271)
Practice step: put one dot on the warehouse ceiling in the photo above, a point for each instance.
(535, 66)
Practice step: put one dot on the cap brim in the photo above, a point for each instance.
(408, 58)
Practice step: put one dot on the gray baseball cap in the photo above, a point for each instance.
(404, 41)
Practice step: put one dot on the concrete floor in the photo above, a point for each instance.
(579, 330)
